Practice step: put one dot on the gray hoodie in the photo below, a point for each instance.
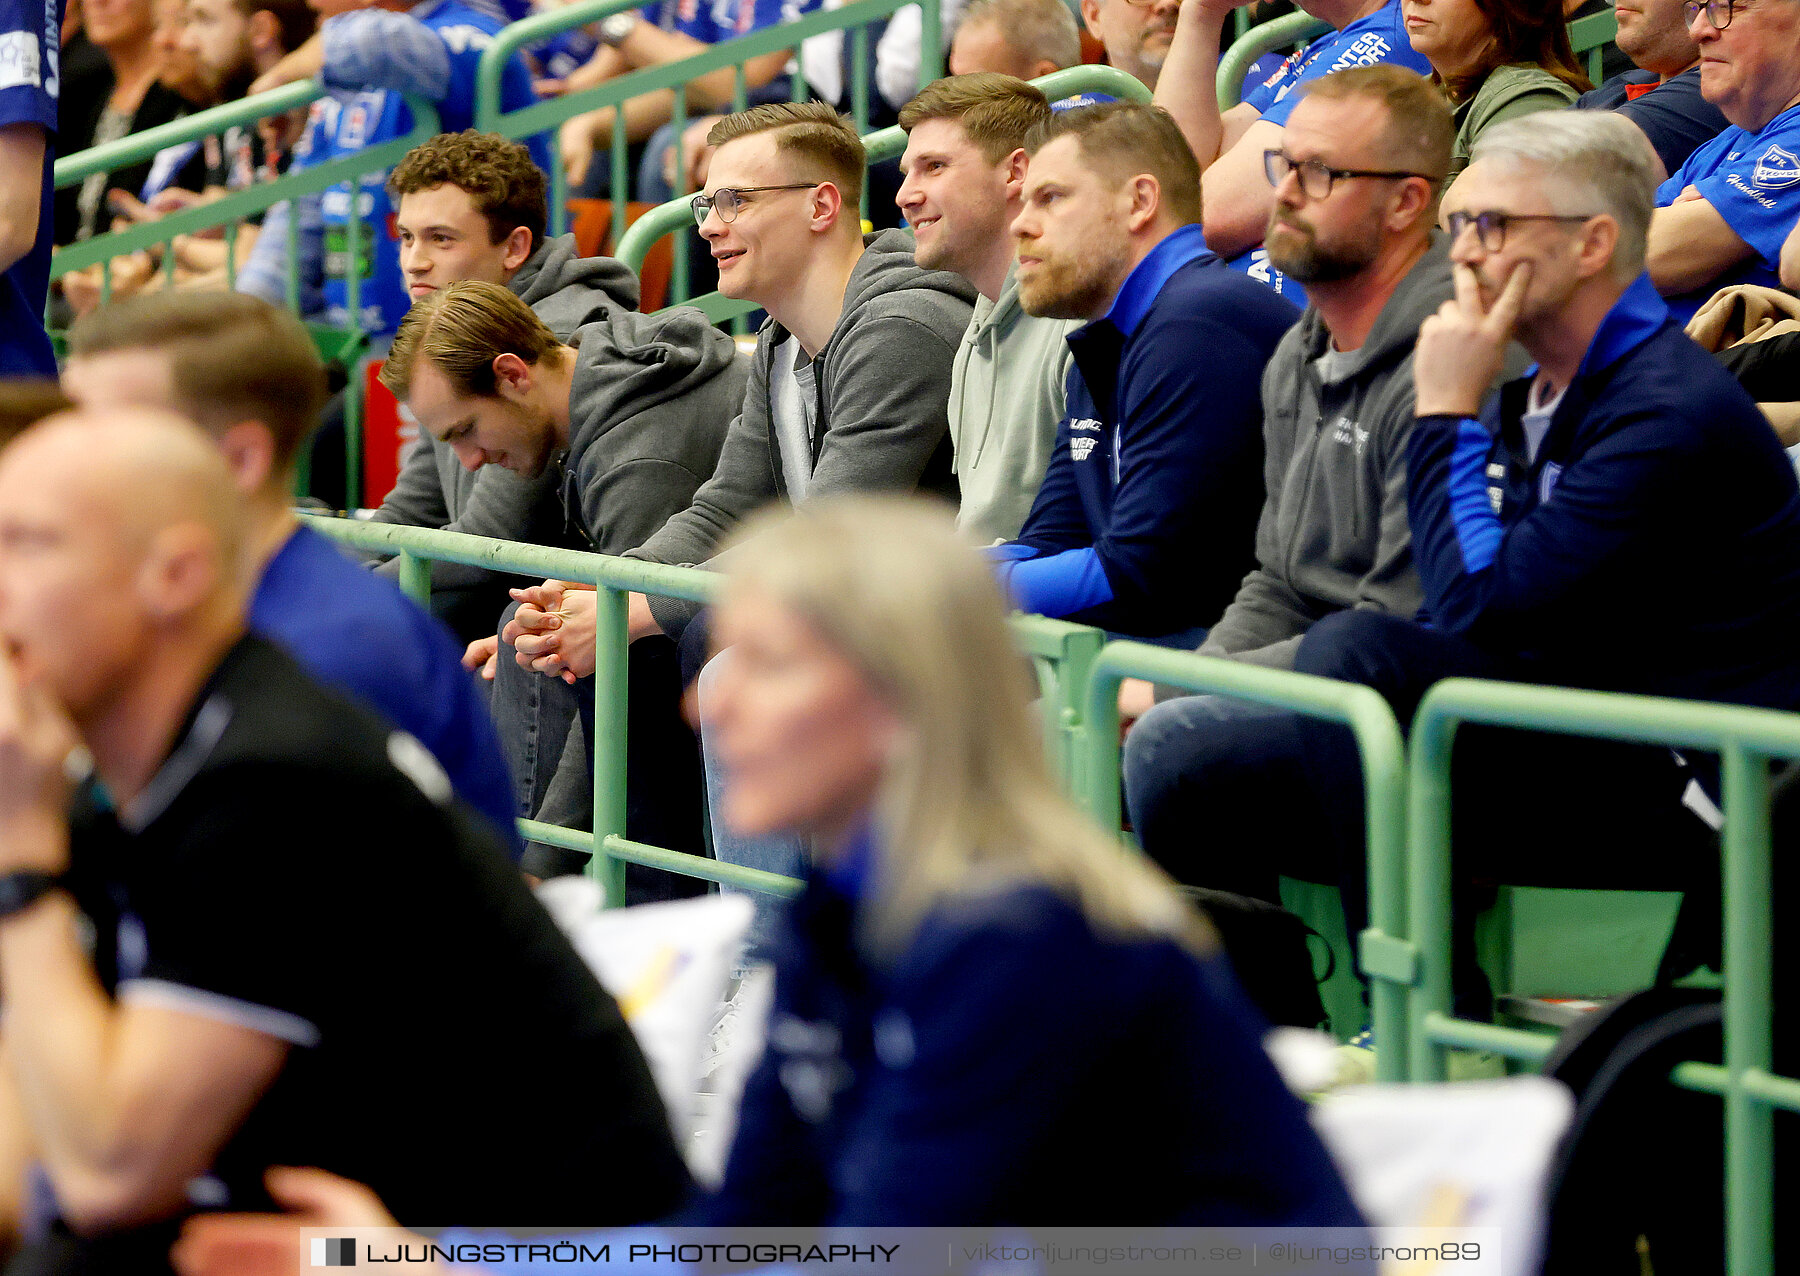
(433, 490)
(883, 381)
(1333, 532)
(1006, 399)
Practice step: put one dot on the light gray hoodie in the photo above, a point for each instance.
(566, 291)
(1333, 532)
(1006, 399)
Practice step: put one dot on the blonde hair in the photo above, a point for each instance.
(460, 329)
(822, 139)
(966, 805)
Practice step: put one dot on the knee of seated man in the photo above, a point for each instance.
(1349, 645)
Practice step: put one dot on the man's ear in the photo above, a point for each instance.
(1412, 203)
(181, 569)
(1145, 201)
(512, 377)
(1015, 167)
(516, 249)
(828, 206)
(249, 449)
(265, 31)
(1599, 241)
(1090, 16)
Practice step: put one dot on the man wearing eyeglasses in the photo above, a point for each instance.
(1722, 217)
(1230, 144)
(1619, 518)
(1355, 211)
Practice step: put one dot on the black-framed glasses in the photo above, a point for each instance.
(727, 200)
(1718, 12)
(1490, 227)
(1316, 176)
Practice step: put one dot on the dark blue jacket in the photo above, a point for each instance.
(1013, 1067)
(1146, 521)
(1654, 545)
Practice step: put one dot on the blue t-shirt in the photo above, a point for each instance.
(358, 634)
(1753, 181)
(718, 20)
(1380, 37)
(351, 120)
(30, 50)
(1673, 115)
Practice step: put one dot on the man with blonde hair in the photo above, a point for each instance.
(848, 384)
(964, 171)
(1144, 521)
(228, 897)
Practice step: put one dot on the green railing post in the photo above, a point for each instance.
(1749, 1031)
(611, 660)
(1388, 957)
(1428, 900)
(1277, 33)
(415, 578)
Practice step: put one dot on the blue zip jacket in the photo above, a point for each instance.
(1146, 521)
(1652, 547)
(1012, 1066)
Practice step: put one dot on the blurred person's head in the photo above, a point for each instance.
(964, 168)
(800, 168)
(133, 510)
(24, 401)
(243, 370)
(1654, 35)
(180, 71)
(468, 206)
(1464, 40)
(872, 685)
(1105, 185)
(1328, 227)
(1022, 38)
(234, 41)
(1567, 194)
(1136, 33)
(484, 377)
(1750, 68)
(119, 25)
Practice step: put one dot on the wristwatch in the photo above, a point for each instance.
(20, 890)
(615, 30)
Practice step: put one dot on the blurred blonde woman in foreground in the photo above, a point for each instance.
(986, 1010)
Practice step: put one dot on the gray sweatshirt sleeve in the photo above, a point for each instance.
(418, 496)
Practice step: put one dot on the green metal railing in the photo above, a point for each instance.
(1383, 945)
(344, 345)
(853, 18)
(676, 217)
(1746, 740)
(1279, 33)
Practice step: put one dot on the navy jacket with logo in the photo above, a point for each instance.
(1652, 547)
(1146, 520)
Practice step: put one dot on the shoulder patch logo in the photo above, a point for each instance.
(1777, 168)
(19, 62)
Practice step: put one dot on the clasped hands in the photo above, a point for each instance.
(552, 632)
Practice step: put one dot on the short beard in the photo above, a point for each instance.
(1306, 262)
(1066, 290)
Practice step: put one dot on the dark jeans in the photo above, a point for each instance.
(1230, 795)
(546, 726)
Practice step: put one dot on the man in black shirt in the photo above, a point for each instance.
(360, 982)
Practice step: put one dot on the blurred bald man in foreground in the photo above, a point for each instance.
(203, 977)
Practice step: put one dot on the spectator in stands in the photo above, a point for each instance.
(253, 957)
(1145, 519)
(848, 386)
(965, 178)
(1136, 34)
(666, 32)
(1035, 964)
(230, 43)
(636, 408)
(1551, 526)
(1338, 409)
(1721, 218)
(1497, 59)
(370, 52)
(475, 206)
(106, 101)
(249, 374)
(28, 129)
(1022, 38)
(180, 71)
(1231, 144)
(1663, 96)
